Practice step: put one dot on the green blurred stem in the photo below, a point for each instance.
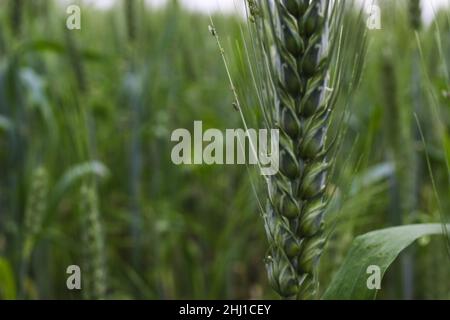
(16, 13)
(401, 151)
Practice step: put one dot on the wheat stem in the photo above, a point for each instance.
(130, 12)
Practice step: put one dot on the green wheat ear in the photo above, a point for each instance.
(298, 40)
(35, 209)
(94, 273)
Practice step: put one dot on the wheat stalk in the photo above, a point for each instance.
(76, 62)
(294, 36)
(16, 16)
(94, 274)
(409, 162)
(130, 19)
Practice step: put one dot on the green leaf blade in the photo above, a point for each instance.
(7, 285)
(377, 248)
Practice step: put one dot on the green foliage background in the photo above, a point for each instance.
(98, 106)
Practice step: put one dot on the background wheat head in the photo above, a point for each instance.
(94, 286)
(35, 208)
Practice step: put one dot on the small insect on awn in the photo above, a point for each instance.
(235, 106)
(212, 30)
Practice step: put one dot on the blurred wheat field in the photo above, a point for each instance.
(86, 176)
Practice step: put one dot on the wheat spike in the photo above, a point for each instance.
(35, 209)
(294, 36)
(93, 245)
